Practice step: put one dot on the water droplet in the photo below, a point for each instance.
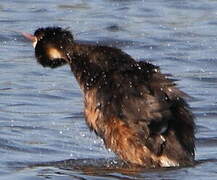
(169, 89)
(12, 123)
(155, 70)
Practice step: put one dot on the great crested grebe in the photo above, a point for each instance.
(131, 105)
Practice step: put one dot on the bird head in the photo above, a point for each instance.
(52, 45)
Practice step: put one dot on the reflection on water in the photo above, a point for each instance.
(43, 132)
(103, 168)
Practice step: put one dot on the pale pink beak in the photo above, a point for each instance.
(30, 37)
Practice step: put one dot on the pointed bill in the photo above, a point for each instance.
(30, 37)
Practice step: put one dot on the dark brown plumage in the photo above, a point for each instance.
(132, 106)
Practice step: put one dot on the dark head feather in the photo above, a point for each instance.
(52, 45)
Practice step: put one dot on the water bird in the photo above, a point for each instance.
(138, 111)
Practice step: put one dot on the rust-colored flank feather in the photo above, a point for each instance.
(138, 112)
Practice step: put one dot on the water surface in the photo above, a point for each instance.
(43, 132)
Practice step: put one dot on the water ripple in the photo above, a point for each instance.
(41, 110)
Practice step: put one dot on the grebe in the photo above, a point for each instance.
(138, 112)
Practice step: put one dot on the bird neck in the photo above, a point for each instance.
(78, 50)
(86, 73)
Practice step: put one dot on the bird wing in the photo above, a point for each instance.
(142, 98)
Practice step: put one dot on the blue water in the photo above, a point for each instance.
(43, 134)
